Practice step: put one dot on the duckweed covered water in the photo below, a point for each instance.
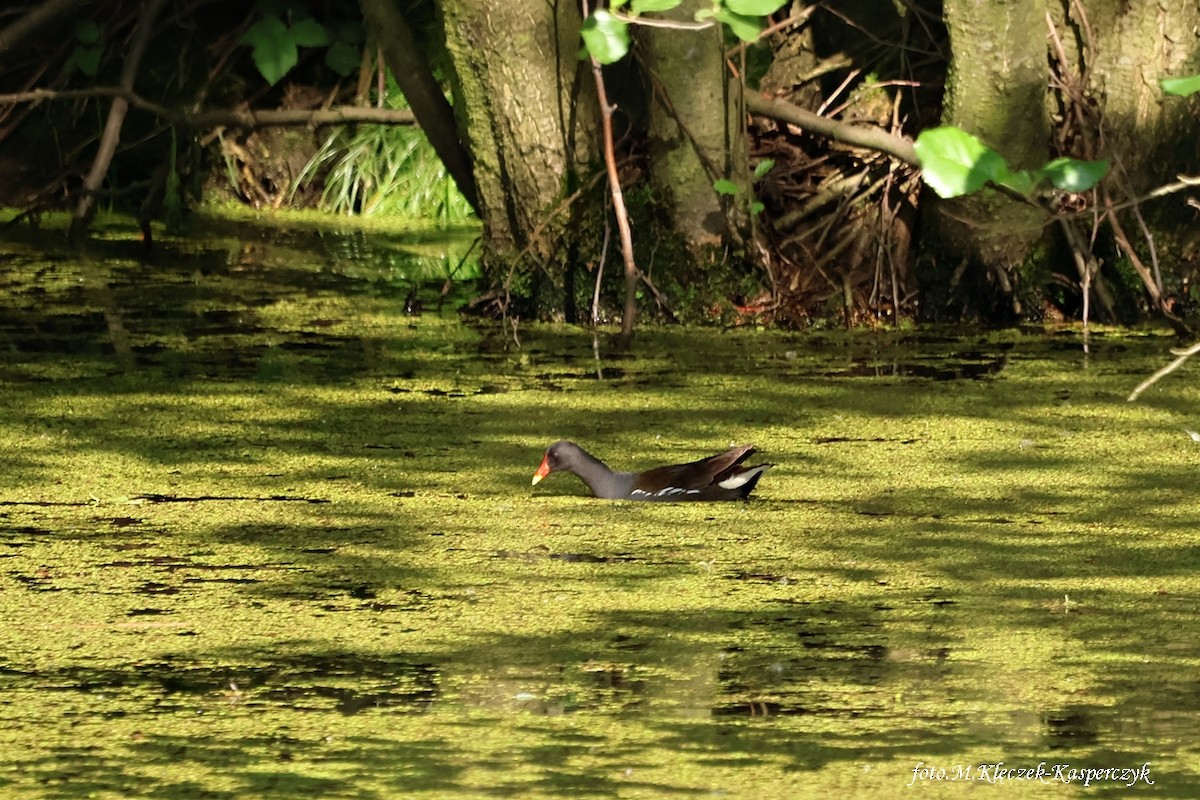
(262, 534)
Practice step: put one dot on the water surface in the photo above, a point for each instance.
(265, 534)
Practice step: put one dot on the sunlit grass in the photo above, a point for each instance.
(385, 170)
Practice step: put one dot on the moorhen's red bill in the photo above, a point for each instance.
(719, 477)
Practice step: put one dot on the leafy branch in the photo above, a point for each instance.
(605, 32)
(954, 163)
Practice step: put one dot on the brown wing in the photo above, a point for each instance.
(696, 475)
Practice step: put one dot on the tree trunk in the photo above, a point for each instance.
(529, 119)
(1129, 47)
(996, 90)
(689, 127)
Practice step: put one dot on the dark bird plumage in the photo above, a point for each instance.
(719, 477)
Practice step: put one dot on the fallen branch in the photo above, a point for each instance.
(230, 118)
(1184, 355)
(860, 136)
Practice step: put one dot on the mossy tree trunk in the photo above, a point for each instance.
(1129, 47)
(996, 90)
(1150, 138)
(528, 117)
(689, 127)
(1108, 57)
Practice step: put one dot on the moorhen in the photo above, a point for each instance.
(719, 477)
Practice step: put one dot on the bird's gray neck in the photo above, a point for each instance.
(603, 482)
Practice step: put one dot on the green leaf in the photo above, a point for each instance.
(1181, 86)
(87, 31)
(615, 4)
(605, 37)
(1022, 181)
(342, 58)
(308, 32)
(705, 13)
(1072, 175)
(642, 6)
(756, 208)
(86, 60)
(269, 28)
(763, 167)
(726, 187)
(274, 51)
(955, 163)
(743, 27)
(754, 8)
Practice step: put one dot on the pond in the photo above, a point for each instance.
(265, 534)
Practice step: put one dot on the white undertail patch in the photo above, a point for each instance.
(739, 479)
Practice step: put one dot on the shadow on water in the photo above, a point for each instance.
(267, 534)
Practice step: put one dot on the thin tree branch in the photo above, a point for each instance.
(674, 24)
(1184, 355)
(37, 16)
(618, 200)
(872, 138)
(86, 208)
(231, 117)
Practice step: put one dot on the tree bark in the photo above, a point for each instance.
(528, 117)
(1115, 53)
(996, 90)
(689, 126)
(1129, 47)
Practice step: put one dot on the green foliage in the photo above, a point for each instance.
(644, 6)
(345, 52)
(284, 27)
(88, 49)
(745, 27)
(87, 32)
(1072, 175)
(606, 35)
(1183, 87)
(726, 187)
(731, 189)
(274, 51)
(753, 8)
(954, 163)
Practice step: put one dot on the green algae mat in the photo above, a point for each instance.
(263, 534)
